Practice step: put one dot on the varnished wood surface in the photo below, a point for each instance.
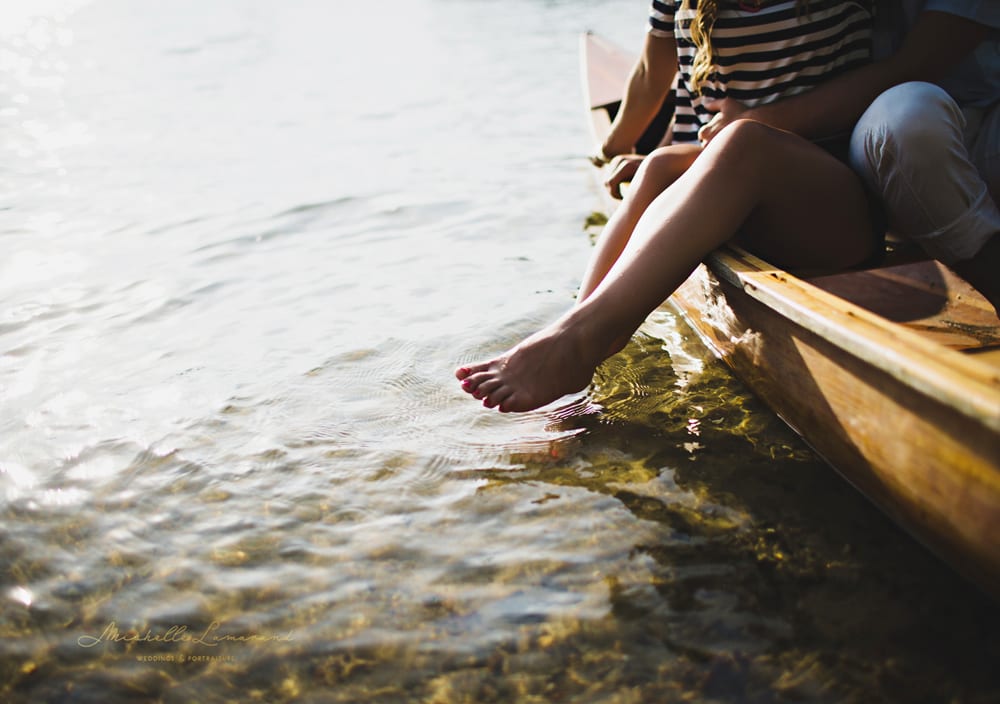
(961, 381)
(935, 470)
(925, 297)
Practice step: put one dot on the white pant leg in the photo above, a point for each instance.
(910, 149)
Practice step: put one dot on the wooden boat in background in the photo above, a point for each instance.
(892, 374)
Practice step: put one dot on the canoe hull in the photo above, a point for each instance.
(932, 470)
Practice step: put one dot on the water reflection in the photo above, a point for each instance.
(661, 535)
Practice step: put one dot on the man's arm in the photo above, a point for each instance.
(647, 86)
(935, 44)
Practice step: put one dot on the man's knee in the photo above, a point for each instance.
(909, 147)
(913, 123)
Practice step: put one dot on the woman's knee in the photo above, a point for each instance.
(655, 163)
(745, 144)
(745, 134)
(662, 167)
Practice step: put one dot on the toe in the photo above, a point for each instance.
(472, 382)
(486, 388)
(518, 403)
(468, 370)
(498, 397)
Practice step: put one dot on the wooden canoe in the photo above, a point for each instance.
(892, 374)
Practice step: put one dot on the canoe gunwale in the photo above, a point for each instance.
(953, 378)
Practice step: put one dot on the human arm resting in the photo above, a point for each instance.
(647, 86)
(935, 44)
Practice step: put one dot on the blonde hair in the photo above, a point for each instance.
(701, 34)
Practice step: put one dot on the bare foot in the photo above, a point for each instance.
(555, 361)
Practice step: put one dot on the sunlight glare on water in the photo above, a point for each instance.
(245, 244)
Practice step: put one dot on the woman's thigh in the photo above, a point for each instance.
(812, 212)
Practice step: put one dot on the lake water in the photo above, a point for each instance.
(244, 245)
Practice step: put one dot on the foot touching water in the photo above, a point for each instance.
(558, 360)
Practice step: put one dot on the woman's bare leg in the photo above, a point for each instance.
(658, 171)
(793, 203)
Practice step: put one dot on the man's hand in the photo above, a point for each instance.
(726, 111)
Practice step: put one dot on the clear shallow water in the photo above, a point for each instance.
(244, 246)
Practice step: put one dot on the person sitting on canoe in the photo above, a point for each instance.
(928, 139)
(779, 195)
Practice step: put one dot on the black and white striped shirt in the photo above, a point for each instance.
(763, 54)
